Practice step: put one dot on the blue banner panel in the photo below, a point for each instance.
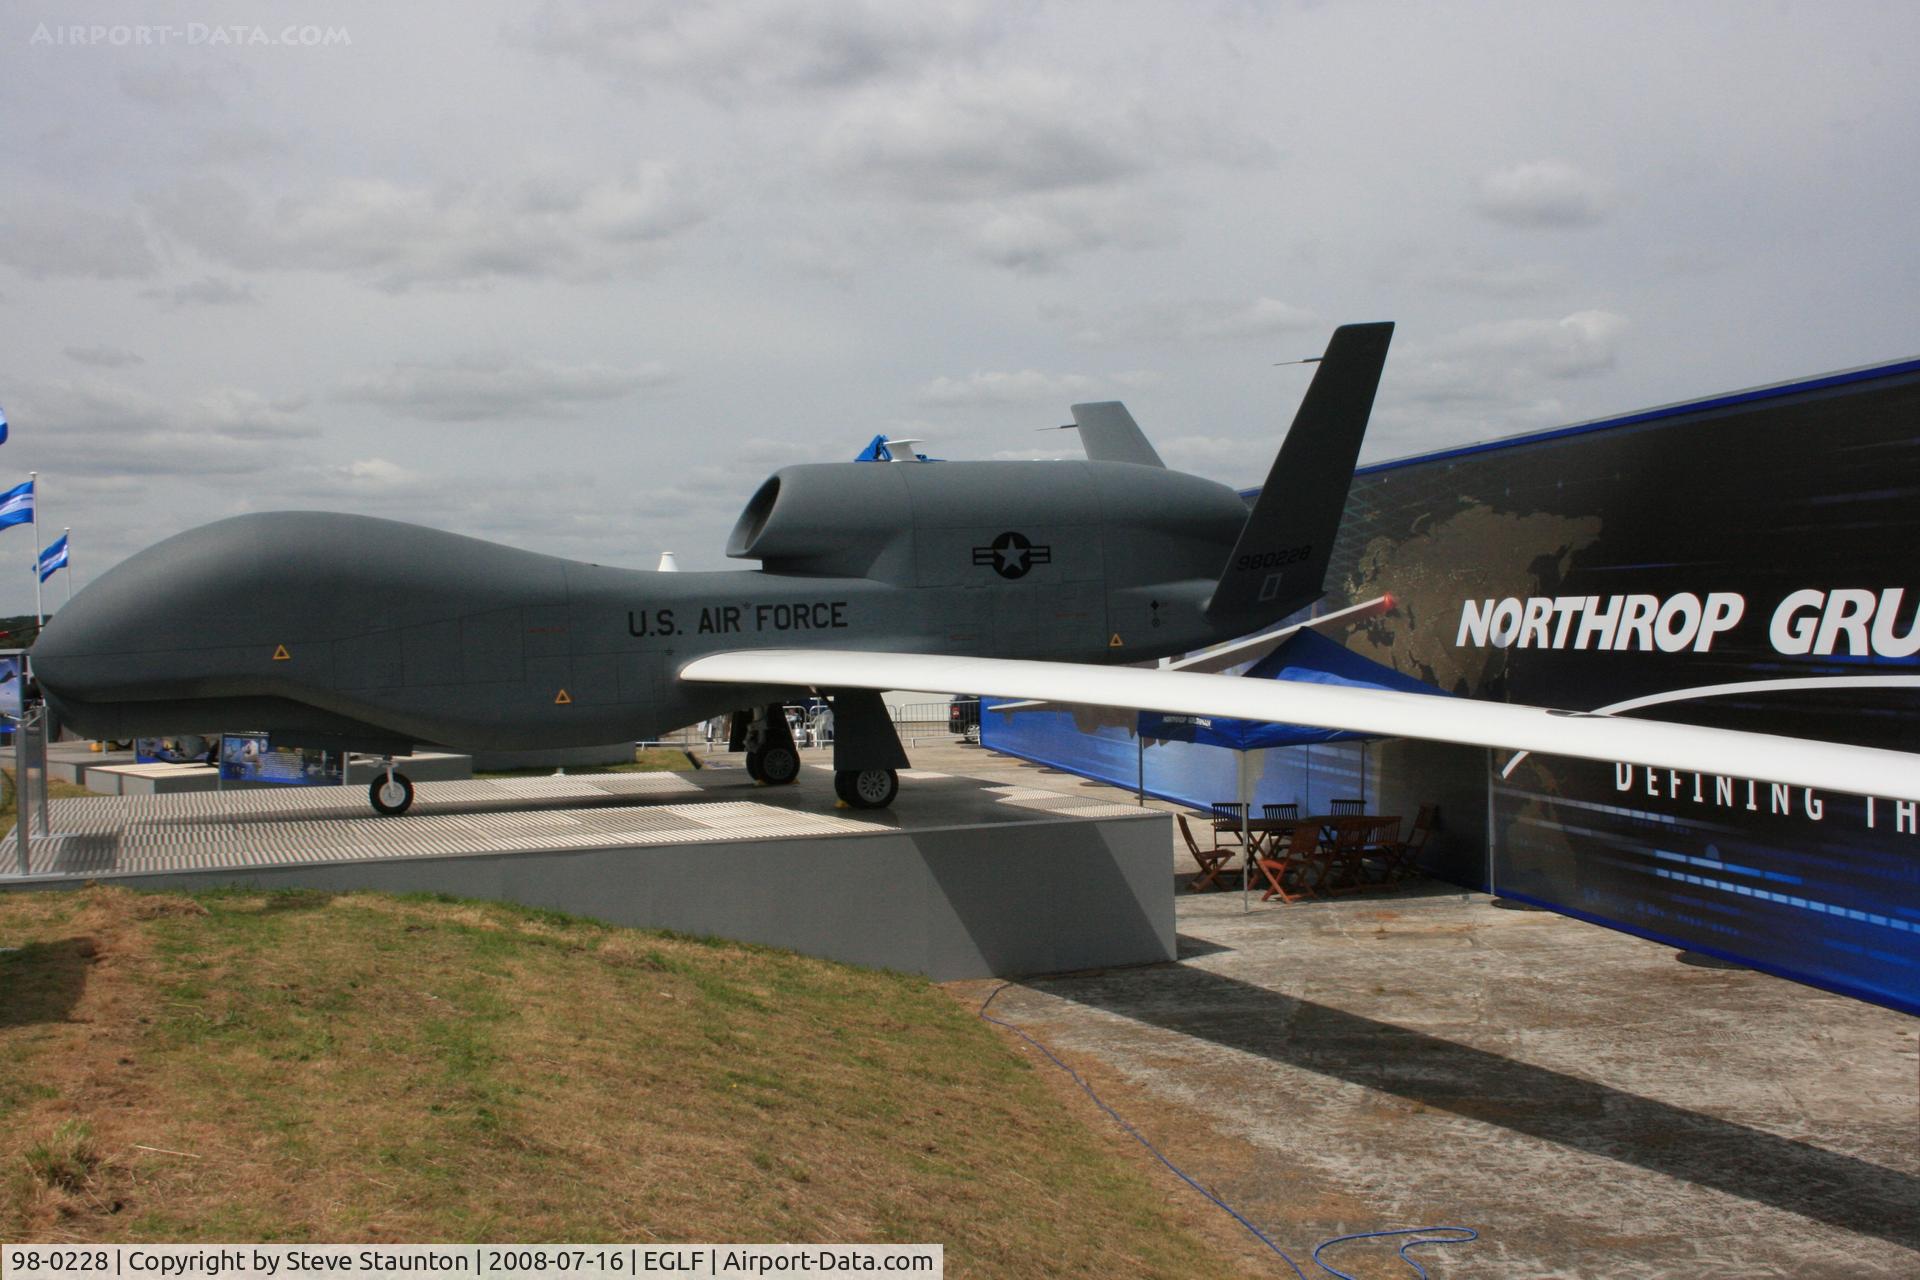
(1785, 879)
(1100, 746)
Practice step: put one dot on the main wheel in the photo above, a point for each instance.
(753, 767)
(779, 765)
(867, 788)
(391, 795)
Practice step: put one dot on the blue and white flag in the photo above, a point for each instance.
(53, 559)
(3, 426)
(16, 505)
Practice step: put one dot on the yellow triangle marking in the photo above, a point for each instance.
(562, 699)
(280, 653)
(1116, 642)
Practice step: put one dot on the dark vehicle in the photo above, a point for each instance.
(963, 718)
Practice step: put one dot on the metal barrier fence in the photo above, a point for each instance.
(813, 725)
(916, 721)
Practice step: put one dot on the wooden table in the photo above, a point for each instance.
(1334, 838)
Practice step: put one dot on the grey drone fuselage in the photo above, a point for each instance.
(374, 635)
(378, 634)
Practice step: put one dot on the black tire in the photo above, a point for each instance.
(867, 788)
(779, 765)
(393, 800)
(753, 767)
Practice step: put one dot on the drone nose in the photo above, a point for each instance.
(83, 645)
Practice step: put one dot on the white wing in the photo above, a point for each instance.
(1828, 766)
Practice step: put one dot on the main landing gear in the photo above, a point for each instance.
(763, 733)
(776, 764)
(867, 756)
(866, 788)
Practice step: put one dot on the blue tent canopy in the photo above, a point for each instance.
(1306, 656)
(879, 449)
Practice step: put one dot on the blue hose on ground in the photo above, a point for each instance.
(1426, 1234)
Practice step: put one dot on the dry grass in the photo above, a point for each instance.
(10, 805)
(353, 1067)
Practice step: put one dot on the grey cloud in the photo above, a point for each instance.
(109, 432)
(1023, 170)
(1198, 320)
(54, 236)
(1499, 280)
(1027, 386)
(160, 85)
(240, 143)
(1542, 193)
(725, 49)
(207, 291)
(1222, 458)
(492, 387)
(1583, 343)
(975, 137)
(1042, 234)
(573, 517)
(103, 357)
(396, 236)
(1492, 378)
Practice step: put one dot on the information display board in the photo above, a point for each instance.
(190, 748)
(252, 757)
(11, 684)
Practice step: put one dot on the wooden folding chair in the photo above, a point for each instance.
(1263, 840)
(1342, 848)
(1228, 816)
(1348, 808)
(1401, 859)
(1376, 852)
(1290, 852)
(1212, 861)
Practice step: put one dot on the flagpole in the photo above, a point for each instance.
(66, 536)
(39, 614)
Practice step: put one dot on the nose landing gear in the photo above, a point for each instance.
(391, 793)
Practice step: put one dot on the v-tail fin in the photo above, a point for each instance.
(1109, 434)
(1280, 562)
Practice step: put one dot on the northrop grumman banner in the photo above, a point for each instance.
(1748, 563)
(1669, 565)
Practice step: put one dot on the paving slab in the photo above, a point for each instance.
(1592, 1106)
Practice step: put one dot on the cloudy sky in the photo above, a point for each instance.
(578, 281)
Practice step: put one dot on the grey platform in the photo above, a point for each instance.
(961, 879)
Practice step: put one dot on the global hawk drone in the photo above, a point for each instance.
(1037, 580)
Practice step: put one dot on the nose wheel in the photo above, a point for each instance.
(866, 788)
(391, 793)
